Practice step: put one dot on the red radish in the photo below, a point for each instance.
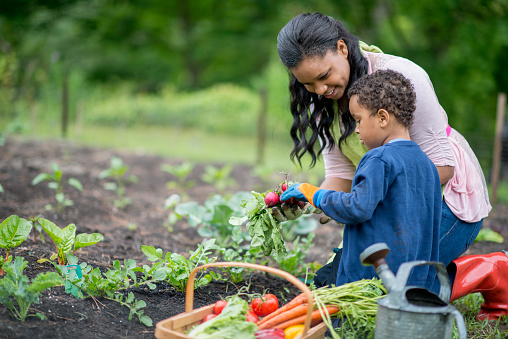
(284, 187)
(301, 204)
(271, 199)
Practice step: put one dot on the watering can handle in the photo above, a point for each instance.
(406, 268)
(461, 326)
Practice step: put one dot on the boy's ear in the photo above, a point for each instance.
(383, 117)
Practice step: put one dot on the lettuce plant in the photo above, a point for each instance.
(13, 231)
(16, 287)
(66, 241)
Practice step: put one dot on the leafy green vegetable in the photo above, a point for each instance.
(13, 231)
(357, 302)
(264, 229)
(178, 268)
(231, 323)
(66, 238)
(15, 286)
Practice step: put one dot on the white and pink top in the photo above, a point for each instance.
(466, 193)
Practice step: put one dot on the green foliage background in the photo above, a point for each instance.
(200, 64)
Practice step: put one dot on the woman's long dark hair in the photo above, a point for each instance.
(310, 35)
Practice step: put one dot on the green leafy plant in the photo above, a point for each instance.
(486, 234)
(181, 172)
(180, 267)
(212, 218)
(263, 228)
(169, 204)
(55, 183)
(112, 283)
(219, 177)
(236, 253)
(16, 287)
(66, 241)
(1, 189)
(117, 171)
(13, 231)
(294, 261)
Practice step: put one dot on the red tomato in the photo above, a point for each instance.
(209, 316)
(252, 317)
(219, 306)
(265, 305)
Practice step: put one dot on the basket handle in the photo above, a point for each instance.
(189, 297)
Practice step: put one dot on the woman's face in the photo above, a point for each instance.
(328, 75)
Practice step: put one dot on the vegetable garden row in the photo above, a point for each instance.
(236, 227)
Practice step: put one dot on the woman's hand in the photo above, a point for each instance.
(293, 212)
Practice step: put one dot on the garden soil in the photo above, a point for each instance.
(143, 222)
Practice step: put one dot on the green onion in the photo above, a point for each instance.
(357, 302)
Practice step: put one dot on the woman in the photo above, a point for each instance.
(324, 59)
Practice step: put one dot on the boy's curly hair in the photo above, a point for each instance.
(389, 90)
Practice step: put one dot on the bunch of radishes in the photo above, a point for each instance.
(272, 197)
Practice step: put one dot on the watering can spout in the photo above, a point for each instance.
(375, 255)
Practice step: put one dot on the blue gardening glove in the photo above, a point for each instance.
(293, 191)
(304, 192)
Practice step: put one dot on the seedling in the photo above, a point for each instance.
(181, 172)
(109, 284)
(179, 267)
(38, 228)
(16, 286)
(66, 241)
(117, 171)
(55, 183)
(13, 231)
(220, 178)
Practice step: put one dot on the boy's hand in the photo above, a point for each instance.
(304, 192)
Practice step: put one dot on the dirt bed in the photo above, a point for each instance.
(93, 211)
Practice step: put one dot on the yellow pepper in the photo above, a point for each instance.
(294, 332)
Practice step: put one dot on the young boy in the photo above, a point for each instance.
(395, 195)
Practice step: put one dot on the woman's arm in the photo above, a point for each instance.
(445, 173)
(337, 184)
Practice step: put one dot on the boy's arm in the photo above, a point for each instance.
(358, 206)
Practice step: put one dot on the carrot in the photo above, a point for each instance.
(315, 318)
(298, 300)
(285, 316)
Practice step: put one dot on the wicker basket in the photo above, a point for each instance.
(176, 326)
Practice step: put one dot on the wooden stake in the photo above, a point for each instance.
(498, 143)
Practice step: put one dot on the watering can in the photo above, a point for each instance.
(411, 311)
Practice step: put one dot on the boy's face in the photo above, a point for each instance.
(368, 126)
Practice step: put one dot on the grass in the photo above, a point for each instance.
(469, 307)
